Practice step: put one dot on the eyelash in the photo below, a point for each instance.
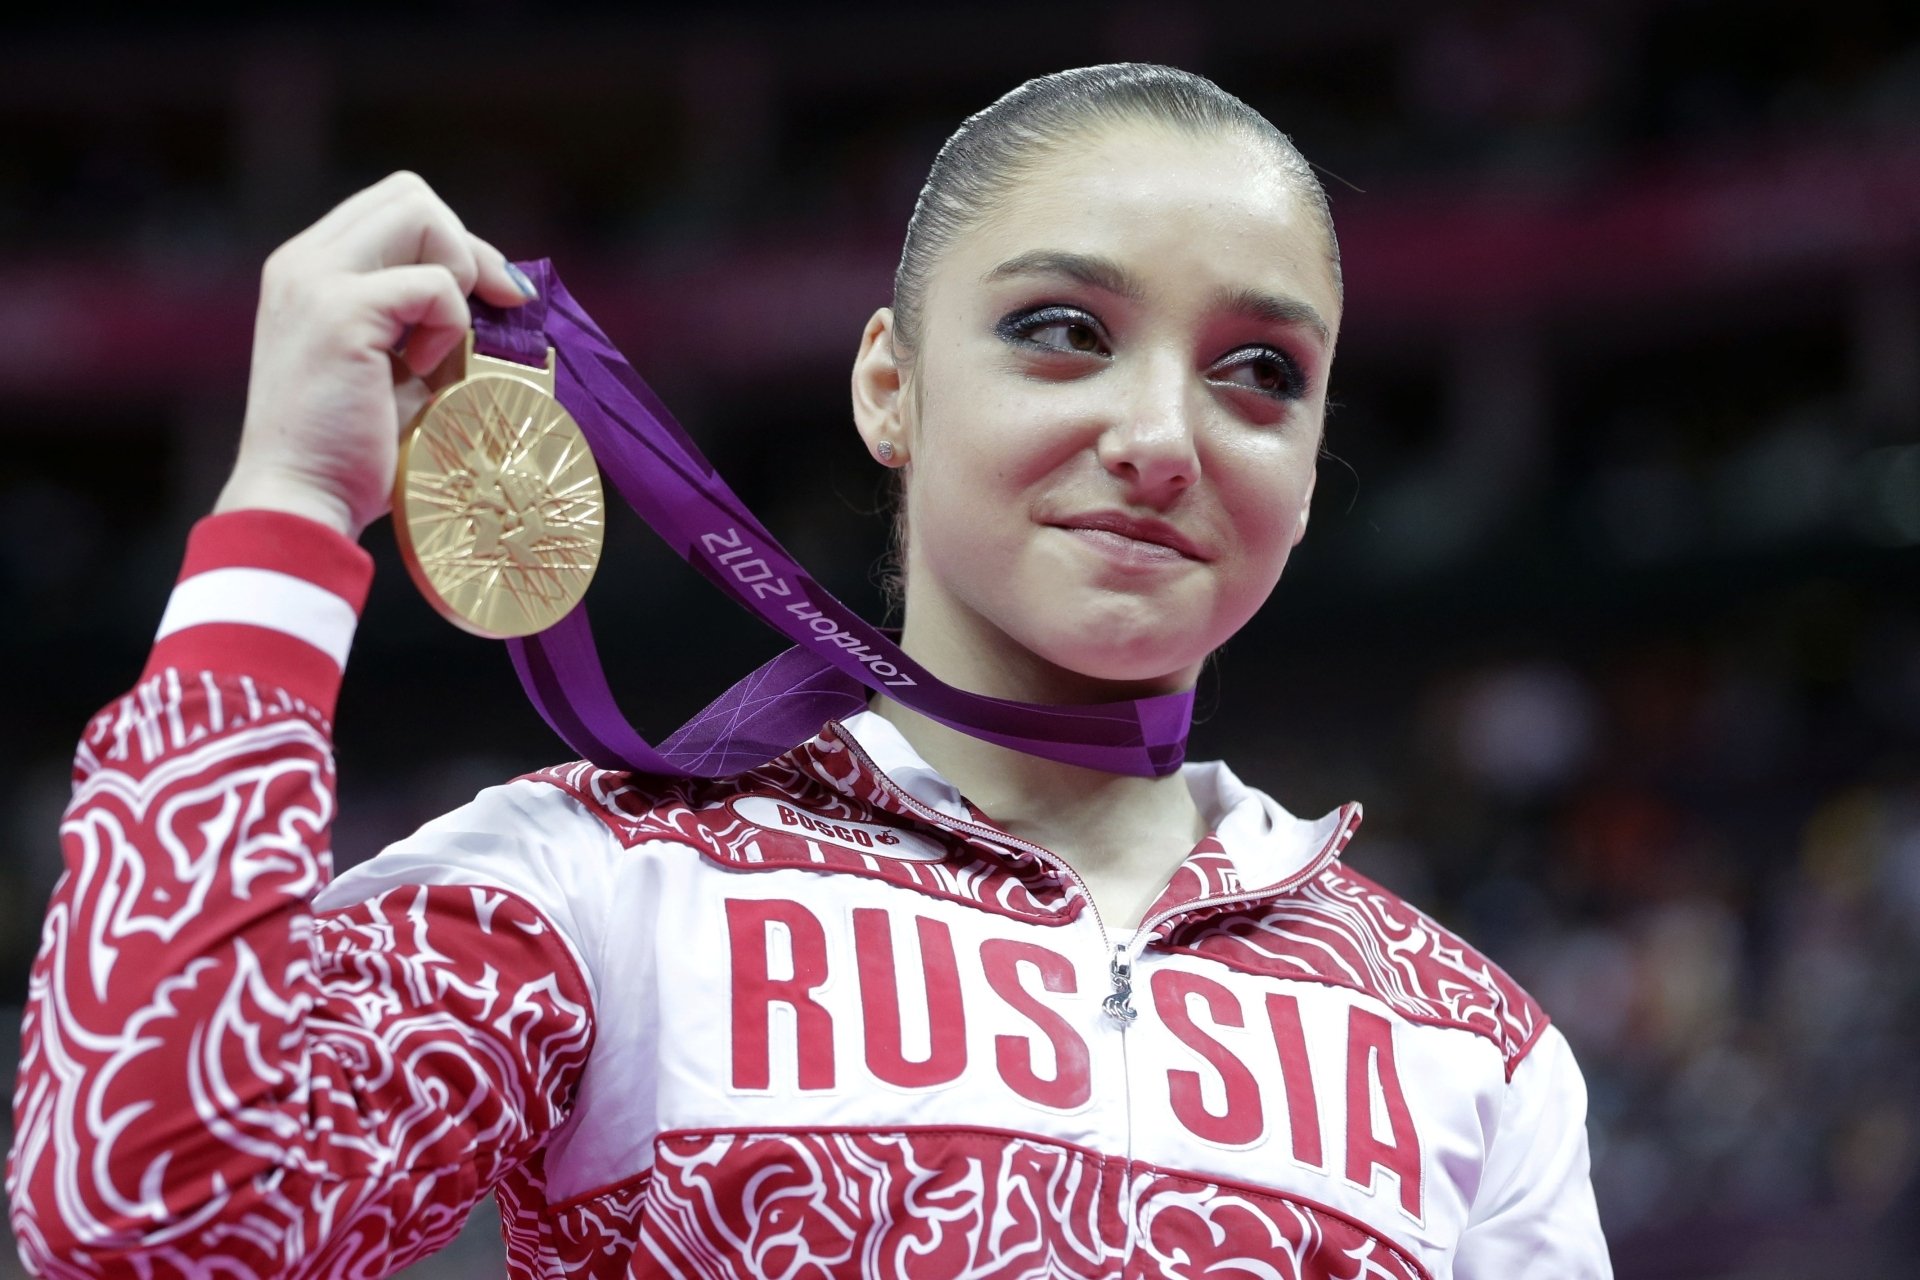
(1019, 328)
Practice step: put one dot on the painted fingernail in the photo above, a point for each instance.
(521, 282)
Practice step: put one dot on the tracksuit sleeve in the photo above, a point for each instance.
(214, 1078)
(1534, 1217)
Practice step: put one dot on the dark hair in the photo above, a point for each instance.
(993, 148)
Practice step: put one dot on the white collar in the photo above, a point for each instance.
(1266, 843)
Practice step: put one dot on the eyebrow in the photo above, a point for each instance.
(1101, 273)
(1259, 305)
(1109, 276)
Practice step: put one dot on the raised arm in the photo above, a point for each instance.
(214, 1079)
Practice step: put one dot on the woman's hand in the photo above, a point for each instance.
(354, 312)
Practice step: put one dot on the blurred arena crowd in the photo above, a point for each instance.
(1610, 612)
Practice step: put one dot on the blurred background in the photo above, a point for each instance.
(1610, 612)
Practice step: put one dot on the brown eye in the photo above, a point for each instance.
(1055, 328)
(1067, 335)
(1262, 369)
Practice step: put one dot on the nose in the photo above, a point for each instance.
(1151, 444)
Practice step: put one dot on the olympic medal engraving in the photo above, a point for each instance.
(498, 507)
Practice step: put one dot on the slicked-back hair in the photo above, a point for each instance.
(992, 149)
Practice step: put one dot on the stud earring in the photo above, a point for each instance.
(885, 452)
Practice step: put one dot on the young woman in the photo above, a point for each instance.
(898, 1003)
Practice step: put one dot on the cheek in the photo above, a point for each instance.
(957, 490)
(980, 453)
(1264, 491)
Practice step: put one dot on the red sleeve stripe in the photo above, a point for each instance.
(263, 598)
(274, 664)
(268, 595)
(284, 543)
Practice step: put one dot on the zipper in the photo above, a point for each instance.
(991, 835)
(1119, 999)
(1118, 1003)
(1123, 959)
(1122, 997)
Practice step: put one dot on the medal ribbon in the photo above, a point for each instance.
(837, 656)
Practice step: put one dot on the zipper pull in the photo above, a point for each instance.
(1119, 1002)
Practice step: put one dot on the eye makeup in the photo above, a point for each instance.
(1270, 372)
(1261, 368)
(1081, 333)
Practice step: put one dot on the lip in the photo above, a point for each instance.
(1154, 533)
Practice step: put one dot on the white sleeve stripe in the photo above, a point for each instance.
(263, 598)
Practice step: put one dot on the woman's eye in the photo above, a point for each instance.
(1263, 369)
(1056, 329)
(1080, 337)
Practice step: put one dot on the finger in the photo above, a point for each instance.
(341, 220)
(500, 282)
(428, 349)
(409, 395)
(421, 305)
(418, 229)
(405, 225)
(377, 227)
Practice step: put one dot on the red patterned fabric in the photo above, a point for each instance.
(1208, 872)
(1342, 928)
(842, 1029)
(947, 1204)
(211, 1072)
(280, 543)
(588, 1238)
(702, 813)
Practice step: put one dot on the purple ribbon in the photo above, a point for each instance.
(652, 463)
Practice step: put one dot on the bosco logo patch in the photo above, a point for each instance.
(864, 837)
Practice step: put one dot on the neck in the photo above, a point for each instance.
(1025, 793)
(1119, 831)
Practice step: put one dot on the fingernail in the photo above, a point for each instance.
(521, 282)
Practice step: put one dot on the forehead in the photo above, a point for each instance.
(1215, 210)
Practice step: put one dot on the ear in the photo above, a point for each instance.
(1306, 508)
(879, 398)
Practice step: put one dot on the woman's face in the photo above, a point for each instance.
(1112, 417)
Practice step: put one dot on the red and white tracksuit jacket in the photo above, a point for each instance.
(822, 1019)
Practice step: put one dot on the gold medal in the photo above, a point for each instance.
(497, 504)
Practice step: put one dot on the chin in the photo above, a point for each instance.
(1098, 652)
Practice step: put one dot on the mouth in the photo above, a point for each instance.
(1133, 535)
